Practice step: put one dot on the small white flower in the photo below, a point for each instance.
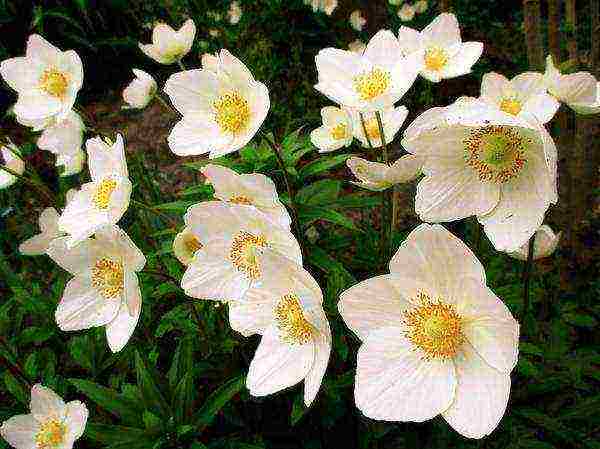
(378, 176)
(435, 339)
(64, 138)
(357, 46)
(286, 309)
(580, 91)
(39, 243)
(223, 107)
(104, 290)
(105, 199)
(336, 131)
(327, 6)
(421, 6)
(445, 55)
(524, 95)
(252, 189)
(391, 119)
(357, 21)
(185, 246)
(169, 46)
(12, 161)
(46, 79)
(140, 91)
(51, 423)
(544, 245)
(214, 32)
(407, 12)
(234, 13)
(373, 81)
(231, 237)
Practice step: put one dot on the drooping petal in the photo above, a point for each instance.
(463, 61)
(76, 420)
(251, 317)
(322, 351)
(75, 260)
(121, 328)
(20, 431)
(46, 403)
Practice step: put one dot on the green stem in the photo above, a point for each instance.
(527, 276)
(37, 186)
(364, 127)
(387, 236)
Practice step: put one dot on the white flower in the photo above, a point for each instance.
(391, 119)
(39, 243)
(223, 107)
(210, 62)
(104, 290)
(357, 46)
(357, 21)
(231, 237)
(286, 309)
(185, 246)
(64, 138)
(523, 96)
(378, 176)
(327, 6)
(13, 162)
(252, 189)
(544, 245)
(105, 199)
(421, 6)
(445, 55)
(169, 46)
(373, 81)
(407, 12)
(140, 91)
(484, 162)
(336, 131)
(234, 13)
(51, 423)
(580, 91)
(435, 339)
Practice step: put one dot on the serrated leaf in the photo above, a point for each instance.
(217, 400)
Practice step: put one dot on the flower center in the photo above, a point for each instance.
(51, 434)
(244, 252)
(240, 199)
(338, 132)
(434, 327)
(232, 112)
(174, 52)
(497, 153)
(192, 243)
(107, 277)
(510, 106)
(103, 193)
(372, 84)
(435, 59)
(293, 327)
(54, 83)
(372, 128)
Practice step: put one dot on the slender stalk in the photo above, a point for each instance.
(527, 276)
(364, 127)
(387, 235)
(37, 186)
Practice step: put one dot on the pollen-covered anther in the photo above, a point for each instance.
(435, 59)
(434, 327)
(232, 112)
(107, 277)
(293, 326)
(497, 153)
(240, 199)
(244, 252)
(104, 192)
(54, 83)
(372, 84)
(510, 105)
(339, 131)
(372, 128)
(51, 434)
(192, 243)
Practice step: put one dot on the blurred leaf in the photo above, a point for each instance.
(183, 398)
(17, 389)
(324, 191)
(217, 399)
(35, 335)
(309, 214)
(298, 410)
(119, 436)
(322, 164)
(580, 320)
(151, 394)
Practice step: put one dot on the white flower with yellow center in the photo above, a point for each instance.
(525, 95)
(231, 237)
(444, 54)
(391, 119)
(52, 424)
(368, 82)
(64, 138)
(105, 199)
(482, 161)
(46, 79)
(407, 12)
(336, 131)
(435, 339)
(104, 290)
(252, 189)
(234, 13)
(286, 309)
(11, 159)
(169, 46)
(545, 243)
(222, 105)
(140, 92)
(185, 245)
(580, 91)
(357, 20)
(378, 176)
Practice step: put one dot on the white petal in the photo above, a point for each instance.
(20, 431)
(40, 48)
(46, 403)
(409, 40)
(443, 31)
(405, 169)
(192, 90)
(21, 73)
(462, 62)
(120, 329)
(105, 159)
(34, 105)
(196, 134)
(76, 420)
(322, 139)
(494, 86)
(545, 244)
(322, 348)
(75, 260)
(116, 240)
(542, 106)
(383, 49)
(251, 317)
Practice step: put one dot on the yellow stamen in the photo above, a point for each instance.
(372, 128)
(510, 106)
(339, 131)
(192, 243)
(54, 83)
(232, 112)
(107, 277)
(240, 199)
(51, 435)
(103, 193)
(372, 84)
(293, 327)
(244, 253)
(435, 59)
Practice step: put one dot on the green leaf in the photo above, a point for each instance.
(179, 207)
(119, 436)
(324, 191)
(527, 368)
(182, 362)
(35, 335)
(217, 400)
(298, 410)
(15, 388)
(310, 214)
(580, 320)
(529, 348)
(81, 4)
(183, 398)
(322, 164)
(151, 394)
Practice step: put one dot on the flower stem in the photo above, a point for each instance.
(527, 276)
(41, 188)
(387, 235)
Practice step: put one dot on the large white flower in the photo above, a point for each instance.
(104, 290)
(580, 91)
(444, 54)
(222, 105)
(13, 162)
(336, 131)
(435, 339)
(286, 309)
(169, 46)
(378, 176)
(140, 91)
(482, 161)
(231, 236)
(105, 199)
(544, 245)
(252, 189)
(373, 81)
(523, 96)
(46, 79)
(391, 119)
(64, 138)
(52, 424)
